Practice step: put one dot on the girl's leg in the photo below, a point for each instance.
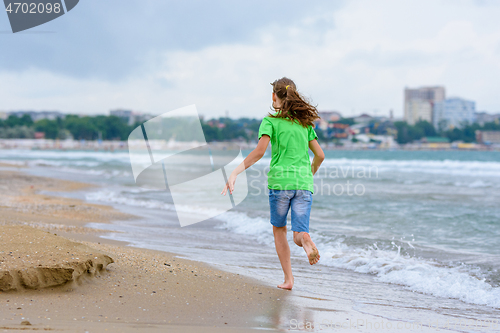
(301, 210)
(283, 251)
(303, 240)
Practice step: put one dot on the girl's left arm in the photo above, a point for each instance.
(319, 155)
(251, 159)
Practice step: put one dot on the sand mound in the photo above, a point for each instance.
(32, 258)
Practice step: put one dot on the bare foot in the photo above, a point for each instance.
(310, 248)
(286, 285)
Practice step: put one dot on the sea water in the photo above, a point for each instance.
(414, 231)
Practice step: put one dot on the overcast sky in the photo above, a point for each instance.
(156, 55)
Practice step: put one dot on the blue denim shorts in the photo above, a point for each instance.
(300, 201)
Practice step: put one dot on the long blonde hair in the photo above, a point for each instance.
(294, 106)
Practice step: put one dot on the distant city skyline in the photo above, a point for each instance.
(154, 56)
(326, 116)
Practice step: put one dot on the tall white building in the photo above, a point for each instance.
(418, 109)
(453, 112)
(419, 103)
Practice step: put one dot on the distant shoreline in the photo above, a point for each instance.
(122, 146)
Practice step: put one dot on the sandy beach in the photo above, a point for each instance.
(56, 274)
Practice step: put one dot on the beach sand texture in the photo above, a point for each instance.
(33, 258)
(56, 274)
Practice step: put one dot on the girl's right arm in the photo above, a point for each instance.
(319, 155)
(250, 160)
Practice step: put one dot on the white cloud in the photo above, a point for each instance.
(356, 59)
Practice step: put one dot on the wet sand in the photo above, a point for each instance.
(64, 277)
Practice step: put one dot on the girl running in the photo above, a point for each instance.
(290, 178)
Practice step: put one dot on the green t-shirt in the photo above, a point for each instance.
(290, 164)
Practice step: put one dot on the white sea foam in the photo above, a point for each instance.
(479, 183)
(119, 198)
(373, 168)
(60, 163)
(448, 167)
(124, 199)
(415, 274)
(388, 266)
(13, 162)
(65, 155)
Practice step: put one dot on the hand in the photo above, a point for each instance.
(229, 185)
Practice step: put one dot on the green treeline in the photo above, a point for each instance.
(220, 129)
(224, 129)
(115, 128)
(88, 128)
(407, 133)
